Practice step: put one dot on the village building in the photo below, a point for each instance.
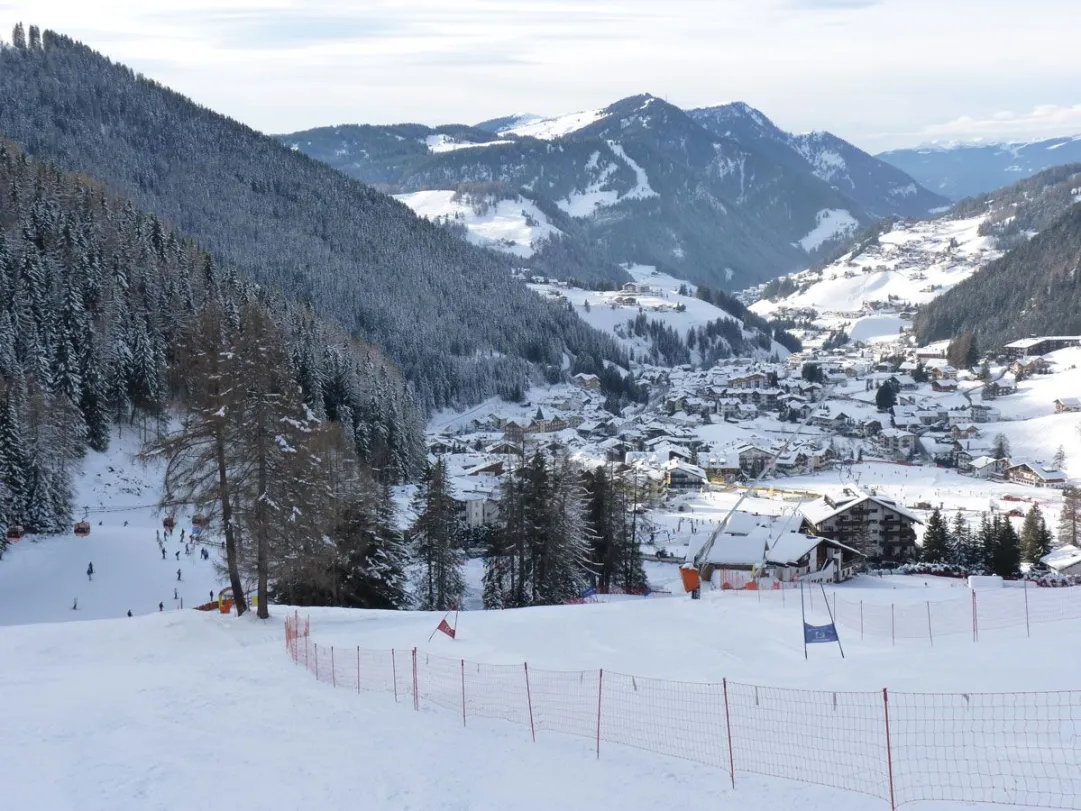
(1035, 474)
(877, 525)
(1064, 560)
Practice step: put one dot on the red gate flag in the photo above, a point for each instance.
(444, 626)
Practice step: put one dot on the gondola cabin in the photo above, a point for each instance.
(15, 533)
(169, 523)
(82, 529)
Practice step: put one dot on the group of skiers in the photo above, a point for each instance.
(188, 548)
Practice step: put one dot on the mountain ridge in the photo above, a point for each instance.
(646, 183)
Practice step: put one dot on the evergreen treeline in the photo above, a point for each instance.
(448, 313)
(994, 547)
(561, 529)
(95, 301)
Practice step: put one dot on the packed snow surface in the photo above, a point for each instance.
(512, 226)
(831, 223)
(42, 578)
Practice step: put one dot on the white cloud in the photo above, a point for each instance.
(882, 73)
(1043, 121)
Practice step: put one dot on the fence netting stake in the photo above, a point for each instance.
(600, 689)
(889, 746)
(529, 701)
(728, 727)
(463, 692)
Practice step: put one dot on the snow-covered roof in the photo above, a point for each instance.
(1062, 558)
(981, 462)
(821, 510)
(790, 546)
(738, 550)
(1041, 471)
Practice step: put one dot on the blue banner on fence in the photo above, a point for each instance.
(819, 633)
(589, 592)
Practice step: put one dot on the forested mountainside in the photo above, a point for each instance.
(1016, 212)
(1033, 289)
(639, 182)
(97, 304)
(448, 313)
(880, 188)
(964, 170)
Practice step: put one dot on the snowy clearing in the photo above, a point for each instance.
(441, 142)
(831, 223)
(914, 262)
(512, 226)
(660, 303)
(548, 129)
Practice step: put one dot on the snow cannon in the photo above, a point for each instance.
(690, 577)
(226, 600)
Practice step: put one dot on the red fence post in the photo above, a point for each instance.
(529, 702)
(306, 653)
(416, 692)
(358, 667)
(728, 727)
(394, 673)
(930, 634)
(463, 692)
(889, 746)
(600, 688)
(333, 669)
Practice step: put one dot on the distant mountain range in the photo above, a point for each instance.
(718, 195)
(964, 170)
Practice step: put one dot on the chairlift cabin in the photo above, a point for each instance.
(82, 528)
(169, 523)
(199, 521)
(15, 532)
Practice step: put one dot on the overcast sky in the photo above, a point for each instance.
(881, 73)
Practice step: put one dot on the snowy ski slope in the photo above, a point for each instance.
(41, 578)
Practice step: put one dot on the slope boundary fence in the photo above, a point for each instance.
(970, 613)
(1021, 749)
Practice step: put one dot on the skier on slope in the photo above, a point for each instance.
(90, 571)
(178, 574)
(163, 553)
